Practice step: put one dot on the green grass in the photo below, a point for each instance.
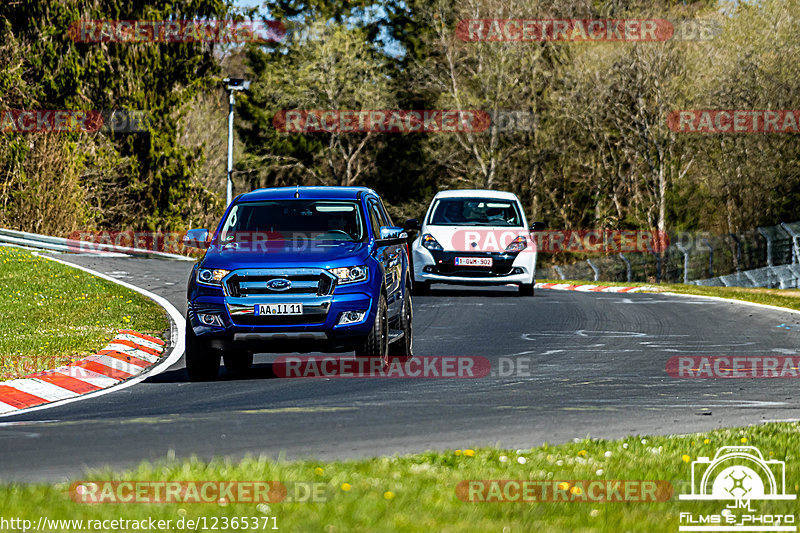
(415, 493)
(600, 283)
(51, 314)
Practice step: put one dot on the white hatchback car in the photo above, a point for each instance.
(475, 237)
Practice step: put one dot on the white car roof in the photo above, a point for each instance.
(479, 193)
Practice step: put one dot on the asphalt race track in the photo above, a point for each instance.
(597, 366)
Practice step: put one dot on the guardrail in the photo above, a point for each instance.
(58, 244)
(766, 256)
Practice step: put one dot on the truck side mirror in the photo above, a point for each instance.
(197, 238)
(391, 235)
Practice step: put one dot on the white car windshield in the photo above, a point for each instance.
(475, 212)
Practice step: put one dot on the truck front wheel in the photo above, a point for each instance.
(376, 343)
(403, 348)
(236, 361)
(202, 362)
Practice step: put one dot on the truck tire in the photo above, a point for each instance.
(376, 343)
(202, 362)
(422, 288)
(403, 349)
(237, 361)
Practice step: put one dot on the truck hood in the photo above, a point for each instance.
(330, 254)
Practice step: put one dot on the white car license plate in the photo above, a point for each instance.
(474, 261)
(278, 309)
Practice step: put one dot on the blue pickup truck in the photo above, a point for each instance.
(299, 269)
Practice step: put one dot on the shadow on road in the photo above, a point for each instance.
(257, 372)
(472, 292)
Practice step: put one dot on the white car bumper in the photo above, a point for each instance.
(427, 269)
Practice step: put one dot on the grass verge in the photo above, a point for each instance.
(418, 492)
(52, 314)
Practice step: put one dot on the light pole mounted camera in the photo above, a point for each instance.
(232, 85)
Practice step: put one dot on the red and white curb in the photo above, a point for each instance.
(130, 359)
(128, 354)
(590, 288)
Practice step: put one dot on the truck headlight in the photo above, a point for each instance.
(211, 320)
(429, 242)
(211, 276)
(350, 274)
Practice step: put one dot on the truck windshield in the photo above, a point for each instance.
(323, 220)
(475, 212)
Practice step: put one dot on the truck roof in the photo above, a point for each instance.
(309, 193)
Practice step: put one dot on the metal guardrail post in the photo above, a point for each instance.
(769, 245)
(659, 261)
(710, 258)
(594, 268)
(738, 251)
(559, 271)
(795, 249)
(628, 265)
(685, 253)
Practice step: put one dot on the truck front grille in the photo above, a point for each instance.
(270, 282)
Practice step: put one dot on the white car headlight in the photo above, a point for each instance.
(429, 242)
(517, 245)
(211, 276)
(350, 274)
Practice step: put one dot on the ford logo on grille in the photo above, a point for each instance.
(279, 284)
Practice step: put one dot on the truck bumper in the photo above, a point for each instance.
(230, 322)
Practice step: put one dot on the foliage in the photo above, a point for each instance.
(152, 174)
(599, 152)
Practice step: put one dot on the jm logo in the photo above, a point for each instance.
(737, 475)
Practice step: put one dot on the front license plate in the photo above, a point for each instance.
(278, 309)
(474, 261)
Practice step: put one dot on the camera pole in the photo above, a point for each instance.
(232, 85)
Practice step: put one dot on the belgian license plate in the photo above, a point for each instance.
(278, 309)
(474, 261)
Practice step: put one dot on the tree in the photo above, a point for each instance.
(147, 177)
(325, 67)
